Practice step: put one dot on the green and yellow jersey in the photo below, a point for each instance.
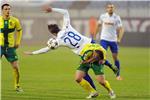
(90, 46)
(7, 31)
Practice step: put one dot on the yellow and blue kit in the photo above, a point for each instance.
(7, 30)
(88, 48)
(85, 53)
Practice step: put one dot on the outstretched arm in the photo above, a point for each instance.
(66, 18)
(40, 51)
(51, 44)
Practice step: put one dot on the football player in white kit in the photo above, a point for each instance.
(69, 37)
(111, 34)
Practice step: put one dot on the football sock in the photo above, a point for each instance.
(117, 63)
(88, 78)
(110, 66)
(16, 77)
(108, 63)
(107, 86)
(87, 86)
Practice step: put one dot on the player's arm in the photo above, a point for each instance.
(120, 30)
(98, 28)
(40, 51)
(97, 56)
(18, 33)
(51, 45)
(99, 25)
(64, 12)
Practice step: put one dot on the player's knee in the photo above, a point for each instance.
(14, 65)
(115, 56)
(101, 81)
(78, 80)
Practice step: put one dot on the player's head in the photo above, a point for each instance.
(54, 29)
(6, 9)
(110, 8)
(100, 53)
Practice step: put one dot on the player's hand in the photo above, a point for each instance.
(28, 53)
(84, 62)
(47, 8)
(101, 61)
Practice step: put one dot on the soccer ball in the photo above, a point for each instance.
(52, 43)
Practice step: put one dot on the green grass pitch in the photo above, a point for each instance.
(51, 76)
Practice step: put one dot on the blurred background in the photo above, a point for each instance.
(135, 16)
(41, 75)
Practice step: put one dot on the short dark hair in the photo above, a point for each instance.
(6, 4)
(109, 3)
(100, 53)
(53, 28)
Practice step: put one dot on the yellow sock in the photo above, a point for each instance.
(16, 77)
(85, 84)
(107, 86)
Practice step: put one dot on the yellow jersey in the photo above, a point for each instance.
(7, 30)
(91, 46)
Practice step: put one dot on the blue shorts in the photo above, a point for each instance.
(113, 45)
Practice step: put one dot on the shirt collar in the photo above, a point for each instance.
(6, 19)
(110, 16)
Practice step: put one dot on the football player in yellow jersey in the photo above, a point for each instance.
(10, 25)
(93, 56)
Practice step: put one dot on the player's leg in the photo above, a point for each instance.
(83, 83)
(16, 73)
(99, 72)
(80, 73)
(106, 85)
(114, 50)
(89, 79)
(117, 64)
(13, 59)
(105, 45)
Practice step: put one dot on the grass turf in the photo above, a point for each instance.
(51, 76)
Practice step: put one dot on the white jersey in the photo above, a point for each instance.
(109, 26)
(68, 36)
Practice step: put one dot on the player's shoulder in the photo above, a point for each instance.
(104, 15)
(14, 18)
(61, 34)
(116, 16)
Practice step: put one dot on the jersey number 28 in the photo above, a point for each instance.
(73, 39)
